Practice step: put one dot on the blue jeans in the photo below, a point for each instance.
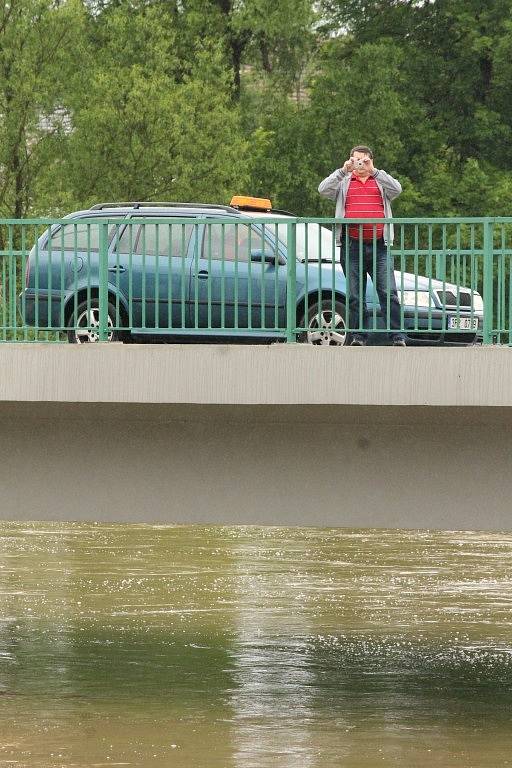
(383, 280)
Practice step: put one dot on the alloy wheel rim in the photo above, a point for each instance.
(87, 329)
(322, 330)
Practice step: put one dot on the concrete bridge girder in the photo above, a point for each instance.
(278, 435)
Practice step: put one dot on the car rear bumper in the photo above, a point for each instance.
(44, 309)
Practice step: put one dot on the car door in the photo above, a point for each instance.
(66, 262)
(238, 279)
(150, 268)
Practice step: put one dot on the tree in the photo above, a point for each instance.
(39, 47)
(142, 133)
(194, 99)
(454, 61)
(273, 38)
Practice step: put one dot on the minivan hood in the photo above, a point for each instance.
(407, 281)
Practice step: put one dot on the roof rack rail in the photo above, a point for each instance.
(140, 204)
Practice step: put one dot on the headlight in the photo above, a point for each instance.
(415, 298)
(478, 303)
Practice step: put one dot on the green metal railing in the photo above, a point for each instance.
(255, 277)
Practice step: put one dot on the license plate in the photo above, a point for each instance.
(463, 323)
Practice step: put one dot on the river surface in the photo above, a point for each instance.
(211, 647)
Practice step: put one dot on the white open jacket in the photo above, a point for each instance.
(335, 188)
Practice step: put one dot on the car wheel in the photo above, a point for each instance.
(86, 328)
(320, 326)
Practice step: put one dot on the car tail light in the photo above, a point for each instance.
(27, 271)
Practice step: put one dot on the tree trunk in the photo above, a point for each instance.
(236, 58)
(265, 54)
(19, 184)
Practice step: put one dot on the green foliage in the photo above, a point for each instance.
(198, 99)
(36, 39)
(356, 99)
(142, 130)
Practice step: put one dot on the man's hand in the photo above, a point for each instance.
(368, 164)
(348, 165)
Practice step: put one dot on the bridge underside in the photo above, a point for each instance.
(285, 435)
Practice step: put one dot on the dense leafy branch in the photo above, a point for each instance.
(198, 99)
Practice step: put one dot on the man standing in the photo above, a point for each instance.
(362, 192)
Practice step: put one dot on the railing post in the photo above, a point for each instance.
(488, 278)
(440, 266)
(291, 282)
(103, 281)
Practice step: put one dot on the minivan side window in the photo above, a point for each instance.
(233, 240)
(166, 239)
(78, 236)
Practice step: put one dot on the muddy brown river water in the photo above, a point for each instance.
(211, 647)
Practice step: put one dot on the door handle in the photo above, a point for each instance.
(117, 268)
(203, 274)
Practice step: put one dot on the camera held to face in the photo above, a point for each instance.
(359, 163)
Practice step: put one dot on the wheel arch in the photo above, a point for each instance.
(93, 291)
(312, 297)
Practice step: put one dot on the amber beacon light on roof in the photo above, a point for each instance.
(251, 203)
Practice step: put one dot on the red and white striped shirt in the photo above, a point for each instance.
(364, 201)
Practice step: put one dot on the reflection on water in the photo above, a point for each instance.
(250, 647)
(274, 682)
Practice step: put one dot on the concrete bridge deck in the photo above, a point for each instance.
(280, 435)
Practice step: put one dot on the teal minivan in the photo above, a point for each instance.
(176, 270)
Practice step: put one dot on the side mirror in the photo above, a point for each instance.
(267, 256)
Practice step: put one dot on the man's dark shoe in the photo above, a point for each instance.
(358, 341)
(399, 341)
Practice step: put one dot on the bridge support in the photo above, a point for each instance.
(280, 435)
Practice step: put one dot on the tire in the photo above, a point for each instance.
(320, 333)
(87, 336)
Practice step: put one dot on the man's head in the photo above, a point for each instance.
(361, 157)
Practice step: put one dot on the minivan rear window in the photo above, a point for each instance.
(79, 236)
